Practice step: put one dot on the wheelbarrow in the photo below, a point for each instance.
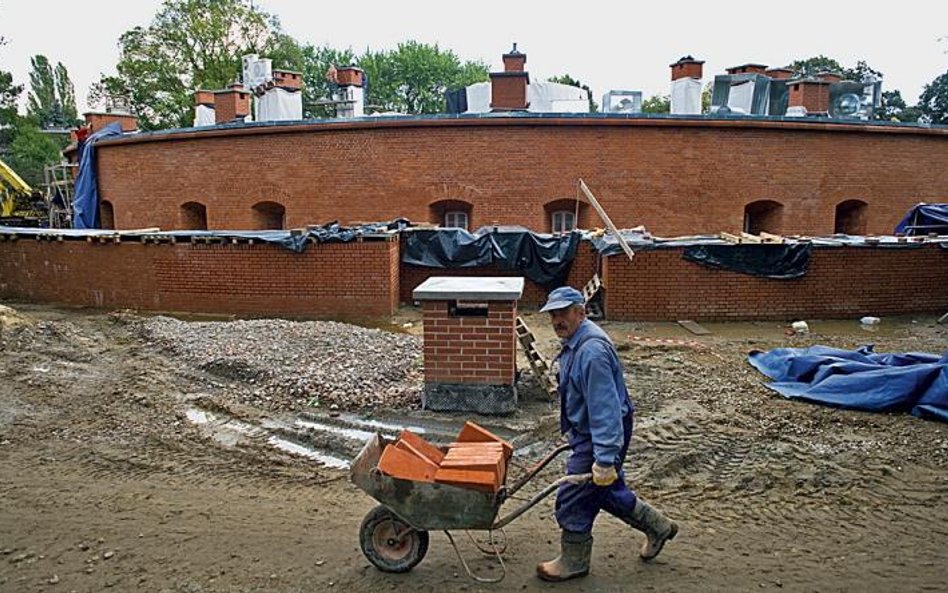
(394, 535)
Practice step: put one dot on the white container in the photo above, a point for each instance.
(800, 327)
(870, 321)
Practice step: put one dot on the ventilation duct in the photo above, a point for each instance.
(854, 100)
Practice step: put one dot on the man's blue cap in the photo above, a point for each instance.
(563, 297)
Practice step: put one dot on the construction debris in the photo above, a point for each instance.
(289, 365)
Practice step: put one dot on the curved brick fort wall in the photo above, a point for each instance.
(674, 175)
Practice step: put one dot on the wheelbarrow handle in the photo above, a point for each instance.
(568, 479)
(536, 469)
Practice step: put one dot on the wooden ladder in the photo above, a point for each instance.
(589, 291)
(538, 362)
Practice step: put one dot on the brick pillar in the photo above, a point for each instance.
(470, 343)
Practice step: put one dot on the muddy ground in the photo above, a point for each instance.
(123, 467)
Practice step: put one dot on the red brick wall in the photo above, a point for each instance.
(812, 95)
(351, 280)
(676, 176)
(840, 283)
(584, 266)
(480, 350)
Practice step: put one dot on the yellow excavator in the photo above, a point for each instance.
(18, 201)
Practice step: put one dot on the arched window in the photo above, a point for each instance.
(106, 215)
(451, 214)
(851, 217)
(194, 216)
(269, 216)
(763, 215)
(561, 215)
(562, 221)
(455, 219)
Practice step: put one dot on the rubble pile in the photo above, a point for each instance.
(288, 365)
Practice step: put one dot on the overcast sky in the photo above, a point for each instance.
(607, 45)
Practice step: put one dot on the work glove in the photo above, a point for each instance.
(604, 475)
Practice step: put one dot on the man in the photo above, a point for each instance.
(596, 415)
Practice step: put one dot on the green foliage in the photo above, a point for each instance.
(31, 150)
(657, 104)
(894, 108)
(316, 62)
(567, 79)
(933, 103)
(52, 97)
(815, 65)
(191, 45)
(413, 78)
(9, 94)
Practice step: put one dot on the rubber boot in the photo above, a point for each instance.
(573, 560)
(657, 528)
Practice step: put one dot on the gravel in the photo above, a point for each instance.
(288, 365)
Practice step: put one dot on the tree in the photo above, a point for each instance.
(413, 78)
(41, 101)
(657, 104)
(31, 150)
(569, 80)
(933, 103)
(813, 66)
(894, 108)
(52, 97)
(316, 61)
(66, 93)
(190, 45)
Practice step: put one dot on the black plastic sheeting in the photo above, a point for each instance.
(544, 259)
(777, 261)
(923, 219)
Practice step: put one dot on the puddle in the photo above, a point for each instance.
(332, 441)
(303, 451)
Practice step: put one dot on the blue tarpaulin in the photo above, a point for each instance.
(85, 206)
(860, 379)
(923, 219)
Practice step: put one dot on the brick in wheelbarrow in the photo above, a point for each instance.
(405, 464)
(472, 433)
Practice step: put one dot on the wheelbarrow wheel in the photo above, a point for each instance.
(389, 543)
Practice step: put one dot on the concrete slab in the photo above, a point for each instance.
(469, 288)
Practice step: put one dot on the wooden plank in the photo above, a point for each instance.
(943, 318)
(749, 238)
(693, 327)
(771, 238)
(730, 238)
(605, 218)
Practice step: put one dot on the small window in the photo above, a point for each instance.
(563, 221)
(455, 220)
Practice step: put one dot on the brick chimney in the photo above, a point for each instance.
(810, 93)
(350, 76)
(780, 73)
(687, 67)
(748, 69)
(231, 104)
(508, 90)
(205, 98)
(96, 120)
(288, 79)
